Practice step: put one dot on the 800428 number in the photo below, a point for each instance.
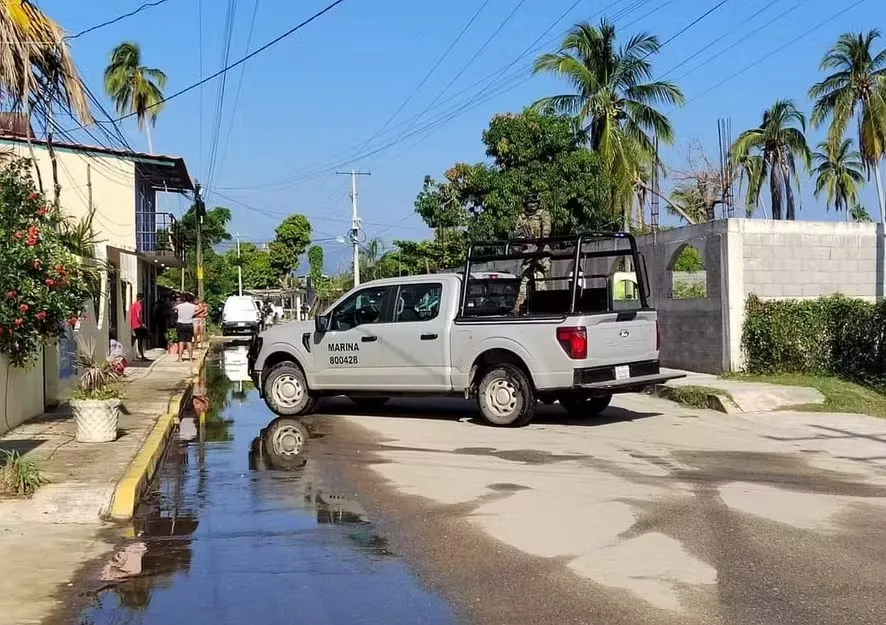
(342, 360)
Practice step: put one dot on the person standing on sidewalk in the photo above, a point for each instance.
(185, 312)
(200, 322)
(137, 325)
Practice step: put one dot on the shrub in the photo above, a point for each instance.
(19, 476)
(42, 284)
(833, 335)
(98, 380)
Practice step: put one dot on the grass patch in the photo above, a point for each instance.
(19, 477)
(694, 395)
(839, 395)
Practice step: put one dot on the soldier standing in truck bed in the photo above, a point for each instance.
(534, 223)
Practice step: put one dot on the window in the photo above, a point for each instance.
(360, 308)
(418, 302)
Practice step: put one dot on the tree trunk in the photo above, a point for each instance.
(880, 197)
(775, 190)
(31, 149)
(150, 138)
(56, 185)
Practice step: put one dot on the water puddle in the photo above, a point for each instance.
(223, 537)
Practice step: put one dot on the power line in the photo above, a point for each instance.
(486, 43)
(239, 85)
(230, 17)
(119, 18)
(427, 75)
(739, 41)
(777, 50)
(240, 61)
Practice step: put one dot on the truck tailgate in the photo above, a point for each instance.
(621, 337)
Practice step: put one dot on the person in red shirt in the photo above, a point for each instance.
(136, 322)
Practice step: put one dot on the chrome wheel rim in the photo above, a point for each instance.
(287, 441)
(502, 397)
(288, 391)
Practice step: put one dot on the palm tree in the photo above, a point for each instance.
(134, 88)
(611, 98)
(855, 89)
(838, 173)
(859, 214)
(36, 66)
(770, 151)
(691, 198)
(370, 256)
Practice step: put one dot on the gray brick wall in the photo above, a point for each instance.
(810, 259)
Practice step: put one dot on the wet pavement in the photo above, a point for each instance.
(223, 539)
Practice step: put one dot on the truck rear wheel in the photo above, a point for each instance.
(585, 406)
(285, 442)
(286, 391)
(506, 397)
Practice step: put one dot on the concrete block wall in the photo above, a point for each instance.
(801, 259)
(692, 330)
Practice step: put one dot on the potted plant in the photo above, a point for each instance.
(172, 341)
(95, 401)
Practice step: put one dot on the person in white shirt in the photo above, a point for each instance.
(184, 321)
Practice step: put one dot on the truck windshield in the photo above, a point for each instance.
(536, 277)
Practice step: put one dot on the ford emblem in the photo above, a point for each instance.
(624, 334)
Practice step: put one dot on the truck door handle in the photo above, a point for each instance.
(369, 339)
(428, 337)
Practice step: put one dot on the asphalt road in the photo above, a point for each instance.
(415, 513)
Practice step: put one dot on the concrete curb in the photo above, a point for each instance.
(720, 403)
(129, 490)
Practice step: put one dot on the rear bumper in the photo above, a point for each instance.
(606, 380)
(247, 327)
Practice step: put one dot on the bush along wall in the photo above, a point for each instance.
(833, 335)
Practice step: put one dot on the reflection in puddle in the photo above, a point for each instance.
(217, 542)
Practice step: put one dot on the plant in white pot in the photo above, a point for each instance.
(95, 401)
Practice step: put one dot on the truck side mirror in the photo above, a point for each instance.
(321, 323)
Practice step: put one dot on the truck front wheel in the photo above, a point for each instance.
(578, 406)
(506, 396)
(286, 391)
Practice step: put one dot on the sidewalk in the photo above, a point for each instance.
(747, 396)
(49, 536)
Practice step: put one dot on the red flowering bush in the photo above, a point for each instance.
(44, 283)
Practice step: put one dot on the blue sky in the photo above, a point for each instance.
(307, 105)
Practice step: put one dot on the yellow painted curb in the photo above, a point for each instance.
(143, 467)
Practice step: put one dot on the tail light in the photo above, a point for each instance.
(657, 336)
(574, 341)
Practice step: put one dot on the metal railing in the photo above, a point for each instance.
(159, 234)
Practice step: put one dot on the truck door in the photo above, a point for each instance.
(349, 355)
(416, 347)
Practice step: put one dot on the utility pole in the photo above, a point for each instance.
(239, 268)
(355, 220)
(200, 210)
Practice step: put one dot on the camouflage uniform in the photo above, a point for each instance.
(534, 223)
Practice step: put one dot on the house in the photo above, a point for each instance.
(120, 189)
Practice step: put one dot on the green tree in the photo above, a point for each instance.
(292, 238)
(690, 197)
(856, 89)
(613, 100)
(315, 263)
(371, 255)
(134, 88)
(255, 265)
(838, 174)
(770, 151)
(859, 214)
(532, 154)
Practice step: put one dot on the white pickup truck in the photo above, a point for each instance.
(573, 341)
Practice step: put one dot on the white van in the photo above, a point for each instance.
(240, 316)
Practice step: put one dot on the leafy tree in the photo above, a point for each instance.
(315, 263)
(533, 154)
(860, 214)
(770, 151)
(855, 89)
(691, 198)
(838, 174)
(214, 229)
(612, 100)
(292, 238)
(255, 265)
(135, 88)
